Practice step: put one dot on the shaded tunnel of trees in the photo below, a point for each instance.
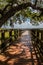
(13, 9)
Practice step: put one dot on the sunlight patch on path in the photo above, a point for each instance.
(25, 33)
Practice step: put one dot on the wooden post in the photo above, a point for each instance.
(15, 34)
(3, 45)
(41, 43)
(10, 34)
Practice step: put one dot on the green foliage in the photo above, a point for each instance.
(27, 13)
(11, 1)
(32, 15)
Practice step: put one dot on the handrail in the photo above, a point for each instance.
(39, 45)
(7, 39)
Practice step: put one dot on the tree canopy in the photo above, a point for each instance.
(32, 9)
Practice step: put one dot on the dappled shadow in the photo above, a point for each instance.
(21, 53)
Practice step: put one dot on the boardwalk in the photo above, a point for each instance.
(21, 53)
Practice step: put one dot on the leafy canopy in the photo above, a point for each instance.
(33, 9)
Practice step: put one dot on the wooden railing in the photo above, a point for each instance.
(37, 37)
(7, 37)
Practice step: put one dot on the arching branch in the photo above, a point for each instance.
(35, 2)
(1, 12)
(6, 7)
(13, 10)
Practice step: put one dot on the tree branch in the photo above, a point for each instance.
(13, 10)
(35, 2)
(6, 7)
(1, 12)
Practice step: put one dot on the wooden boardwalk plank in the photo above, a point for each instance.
(21, 53)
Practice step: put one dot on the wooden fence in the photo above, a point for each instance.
(37, 37)
(7, 37)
